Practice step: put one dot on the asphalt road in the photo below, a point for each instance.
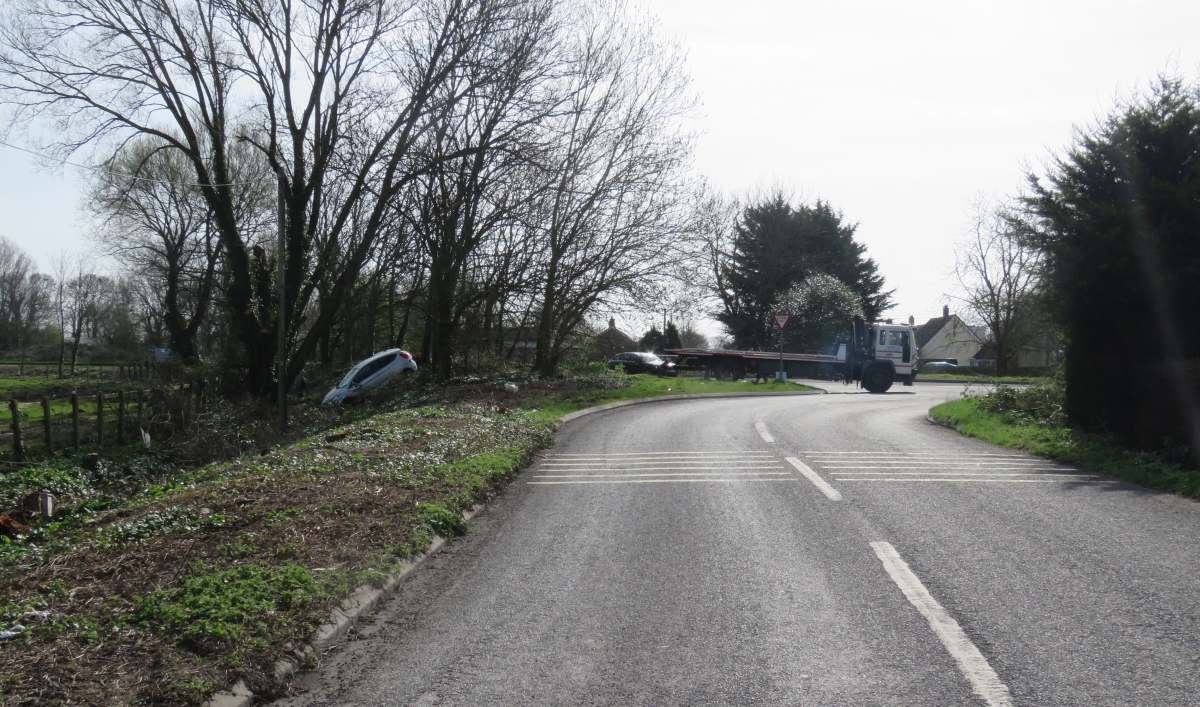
(671, 554)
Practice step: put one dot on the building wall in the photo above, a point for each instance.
(954, 342)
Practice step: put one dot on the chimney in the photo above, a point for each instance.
(945, 310)
(612, 322)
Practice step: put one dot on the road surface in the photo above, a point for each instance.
(818, 550)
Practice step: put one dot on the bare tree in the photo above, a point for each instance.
(35, 313)
(333, 94)
(481, 148)
(24, 300)
(80, 290)
(998, 274)
(161, 229)
(16, 268)
(613, 173)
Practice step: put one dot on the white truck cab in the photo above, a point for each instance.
(881, 354)
(897, 343)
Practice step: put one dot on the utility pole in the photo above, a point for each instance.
(280, 310)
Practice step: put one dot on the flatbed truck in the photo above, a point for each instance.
(874, 356)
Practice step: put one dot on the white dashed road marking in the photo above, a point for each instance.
(764, 432)
(814, 477)
(971, 662)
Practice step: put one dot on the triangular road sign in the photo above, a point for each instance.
(781, 320)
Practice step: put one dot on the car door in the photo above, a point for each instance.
(374, 374)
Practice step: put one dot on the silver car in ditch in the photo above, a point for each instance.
(372, 374)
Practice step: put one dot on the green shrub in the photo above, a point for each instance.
(442, 521)
(210, 609)
(1042, 404)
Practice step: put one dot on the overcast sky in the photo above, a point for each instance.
(899, 114)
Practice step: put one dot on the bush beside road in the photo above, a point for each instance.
(1032, 420)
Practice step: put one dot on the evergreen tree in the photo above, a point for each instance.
(671, 338)
(776, 246)
(651, 340)
(1117, 218)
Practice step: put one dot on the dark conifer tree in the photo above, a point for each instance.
(776, 246)
(1118, 218)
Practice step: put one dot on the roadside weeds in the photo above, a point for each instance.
(1088, 451)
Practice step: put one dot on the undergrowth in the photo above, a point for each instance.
(213, 609)
(1034, 420)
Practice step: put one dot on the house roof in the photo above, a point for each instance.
(614, 336)
(929, 329)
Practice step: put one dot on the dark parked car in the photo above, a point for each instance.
(936, 366)
(634, 362)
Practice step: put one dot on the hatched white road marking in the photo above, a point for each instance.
(661, 467)
(693, 473)
(731, 467)
(976, 472)
(734, 452)
(659, 463)
(1009, 455)
(990, 481)
(814, 477)
(764, 432)
(959, 466)
(971, 662)
(722, 480)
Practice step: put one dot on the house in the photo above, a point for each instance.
(948, 338)
(611, 341)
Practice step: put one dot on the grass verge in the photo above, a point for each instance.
(960, 378)
(971, 417)
(646, 386)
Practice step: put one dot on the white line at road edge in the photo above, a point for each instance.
(814, 477)
(971, 662)
(764, 432)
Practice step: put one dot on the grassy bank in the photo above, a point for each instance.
(644, 386)
(981, 417)
(961, 378)
(158, 582)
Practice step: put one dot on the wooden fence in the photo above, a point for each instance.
(86, 371)
(100, 420)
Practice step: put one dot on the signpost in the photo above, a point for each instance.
(781, 321)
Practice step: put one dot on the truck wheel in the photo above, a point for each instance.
(877, 378)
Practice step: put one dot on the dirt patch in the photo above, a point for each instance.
(163, 602)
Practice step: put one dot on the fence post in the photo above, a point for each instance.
(121, 372)
(99, 419)
(139, 420)
(46, 424)
(75, 420)
(120, 417)
(17, 444)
